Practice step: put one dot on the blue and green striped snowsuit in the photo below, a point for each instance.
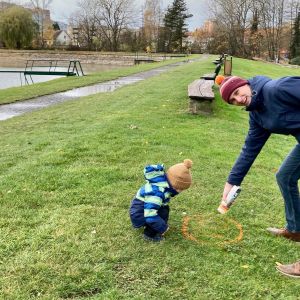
(150, 207)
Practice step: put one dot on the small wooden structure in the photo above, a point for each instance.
(201, 96)
(143, 58)
(137, 61)
(228, 66)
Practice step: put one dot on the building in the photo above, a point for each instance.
(62, 38)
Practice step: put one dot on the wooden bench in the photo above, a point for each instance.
(201, 96)
(50, 73)
(220, 60)
(143, 60)
(212, 76)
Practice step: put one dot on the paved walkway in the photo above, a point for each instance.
(8, 111)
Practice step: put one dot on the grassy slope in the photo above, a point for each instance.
(67, 174)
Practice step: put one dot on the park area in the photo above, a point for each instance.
(69, 172)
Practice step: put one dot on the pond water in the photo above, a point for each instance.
(12, 79)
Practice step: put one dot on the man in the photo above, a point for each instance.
(274, 107)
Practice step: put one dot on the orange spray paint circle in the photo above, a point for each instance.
(212, 229)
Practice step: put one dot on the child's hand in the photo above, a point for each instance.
(165, 231)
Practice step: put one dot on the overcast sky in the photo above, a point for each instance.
(62, 9)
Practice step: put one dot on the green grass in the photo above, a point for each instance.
(67, 176)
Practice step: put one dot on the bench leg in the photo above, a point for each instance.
(200, 107)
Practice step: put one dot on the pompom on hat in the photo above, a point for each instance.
(229, 85)
(219, 79)
(179, 175)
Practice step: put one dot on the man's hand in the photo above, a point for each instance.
(227, 189)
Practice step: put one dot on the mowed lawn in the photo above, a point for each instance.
(69, 172)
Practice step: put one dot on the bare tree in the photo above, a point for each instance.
(100, 23)
(85, 22)
(272, 16)
(113, 17)
(152, 22)
(39, 9)
(292, 10)
(232, 19)
(251, 27)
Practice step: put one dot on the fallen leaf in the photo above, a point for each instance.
(245, 266)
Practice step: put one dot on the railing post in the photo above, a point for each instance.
(228, 66)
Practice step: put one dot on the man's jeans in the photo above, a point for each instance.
(287, 179)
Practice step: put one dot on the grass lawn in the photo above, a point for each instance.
(68, 173)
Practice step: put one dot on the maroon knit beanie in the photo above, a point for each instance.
(229, 85)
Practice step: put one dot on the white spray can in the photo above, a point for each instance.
(232, 195)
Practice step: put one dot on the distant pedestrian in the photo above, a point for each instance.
(150, 206)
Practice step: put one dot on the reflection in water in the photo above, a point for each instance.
(104, 87)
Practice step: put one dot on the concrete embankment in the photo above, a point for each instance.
(19, 57)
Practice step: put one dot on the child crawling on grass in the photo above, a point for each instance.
(150, 206)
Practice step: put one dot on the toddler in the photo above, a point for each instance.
(150, 206)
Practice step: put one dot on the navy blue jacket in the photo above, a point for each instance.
(274, 108)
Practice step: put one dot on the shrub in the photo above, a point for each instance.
(295, 61)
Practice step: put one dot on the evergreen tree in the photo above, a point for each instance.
(55, 26)
(175, 25)
(295, 44)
